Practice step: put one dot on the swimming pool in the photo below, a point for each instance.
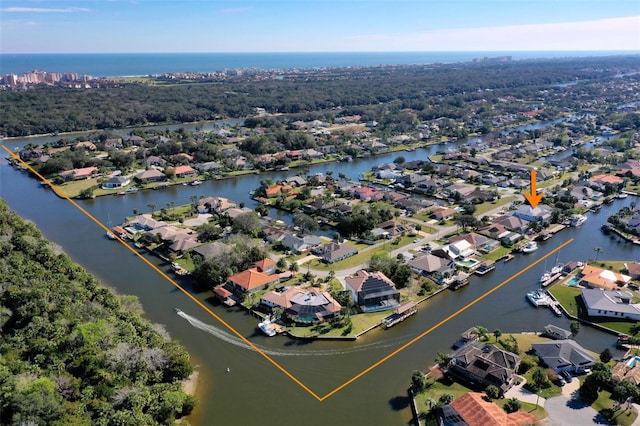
(633, 361)
(573, 281)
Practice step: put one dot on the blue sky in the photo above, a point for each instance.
(43, 26)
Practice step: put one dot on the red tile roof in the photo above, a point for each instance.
(475, 411)
(252, 279)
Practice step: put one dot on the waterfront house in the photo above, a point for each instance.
(438, 268)
(542, 213)
(472, 409)
(481, 365)
(210, 167)
(582, 192)
(275, 190)
(564, 355)
(216, 205)
(77, 174)
(251, 280)
(512, 223)
(302, 305)
(185, 171)
(372, 291)
(145, 222)
(335, 252)
(212, 250)
(612, 304)
(594, 277)
(151, 175)
(182, 243)
(478, 242)
(116, 182)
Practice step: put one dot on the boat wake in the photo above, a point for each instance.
(236, 341)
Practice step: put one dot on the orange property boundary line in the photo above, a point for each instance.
(253, 346)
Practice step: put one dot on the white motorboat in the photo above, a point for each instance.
(578, 219)
(266, 327)
(530, 247)
(538, 298)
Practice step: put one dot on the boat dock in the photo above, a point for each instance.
(507, 257)
(400, 313)
(486, 266)
(554, 306)
(551, 279)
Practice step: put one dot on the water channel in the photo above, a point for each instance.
(254, 391)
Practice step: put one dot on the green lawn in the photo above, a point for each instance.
(619, 417)
(359, 323)
(567, 297)
(550, 392)
(496, 254)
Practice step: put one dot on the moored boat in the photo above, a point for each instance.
(578, 219)
(266, 327)
(530, 247)
(538, 298)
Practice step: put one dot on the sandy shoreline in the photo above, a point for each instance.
(191, 383)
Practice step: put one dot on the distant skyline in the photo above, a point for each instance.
(119, 26)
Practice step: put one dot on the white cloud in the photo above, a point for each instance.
(603, 34)
(43, 10)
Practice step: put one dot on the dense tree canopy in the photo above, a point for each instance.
(432, 91)
(73, 352)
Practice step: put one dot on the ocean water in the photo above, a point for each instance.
(136, 64)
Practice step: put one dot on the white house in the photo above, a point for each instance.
(613, 304)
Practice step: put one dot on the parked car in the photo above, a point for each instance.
(567, 376)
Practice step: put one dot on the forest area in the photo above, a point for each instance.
(71, 351)
(435, 90)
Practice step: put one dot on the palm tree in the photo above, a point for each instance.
(540, 378)
(152, 206)
(480, 332)
(497, 333)
(598, 250)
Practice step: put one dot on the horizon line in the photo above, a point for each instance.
(325, 51)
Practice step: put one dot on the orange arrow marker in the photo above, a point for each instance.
(533, 198)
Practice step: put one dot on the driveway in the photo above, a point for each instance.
(565, 411)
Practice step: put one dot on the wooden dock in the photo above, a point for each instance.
(551, 279)
(400, 313)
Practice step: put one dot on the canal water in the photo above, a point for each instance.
(240, 386)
